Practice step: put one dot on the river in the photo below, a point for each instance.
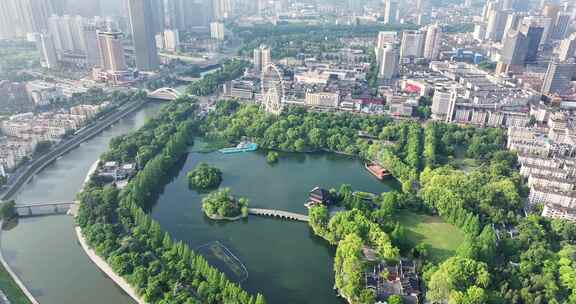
(44, 251)
(285, 261)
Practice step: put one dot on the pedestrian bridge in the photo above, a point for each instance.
(168, 94)
(41, 209)
(278, 213)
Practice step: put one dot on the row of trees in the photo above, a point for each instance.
(209, 84)
(116, 226)
(297, 130)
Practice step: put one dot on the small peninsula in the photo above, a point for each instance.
(221, 205)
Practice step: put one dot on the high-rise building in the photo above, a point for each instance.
(390, 11)
(20, 17)
(513, 52)
(513, 21)
(45, 45)
(262, 57)
(540, 21)
(389, 62)
(496, 24)
(217, 30)
(558, 77)
(534, 34)
(222, 9)
(412, 44)
(91, 43)
(158, 16)
(432, 42)
(386, 37)
(560, 28)
(141, 24)
(479, 32)
(172, 40)
(111, 51)
(567, 49)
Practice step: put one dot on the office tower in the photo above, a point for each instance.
(421, 5)
(390, 11)
(217, 30)
(533, 34)
(222, 9)
(558, 77)
(507, 4)
(111, 51)
(91, 42)
(560, 28)
(141, 24)
(496, 24)
(432, 42)
(76, 25)
(172, 40)
(389, 62)
(158, 17)
(45, 45)
(59, 29)
(19, 17)
(567, 49)
(479, 32)
(539, 21)
(412, 44)
(513, 21)
(386, 37)
(513, 53)
(262, 57)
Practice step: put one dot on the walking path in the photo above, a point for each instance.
(103, 265)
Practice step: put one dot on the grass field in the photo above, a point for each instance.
(443, 238)
(10, 288)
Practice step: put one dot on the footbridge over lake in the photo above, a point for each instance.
(42, 209)
(279, 213)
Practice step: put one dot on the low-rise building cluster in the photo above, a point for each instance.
(21, 133)
(547, 156)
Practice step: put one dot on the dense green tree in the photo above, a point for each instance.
(204, 177)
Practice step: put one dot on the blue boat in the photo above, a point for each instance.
(242, 147)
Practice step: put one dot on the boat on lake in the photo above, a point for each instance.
(241, 147)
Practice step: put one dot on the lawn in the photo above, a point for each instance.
(10, 288)
(442, 238)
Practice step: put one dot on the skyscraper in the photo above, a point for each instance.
(540, 21)
(513, 52)
(567, 49)
(262, 57)
(390, 11)
(558, 77)
(19, 17)
(158, 17)
(217, 30)
(560, 27)
(389, 62)
(432, 42)
(45, 45)
(496, 25)
(412, 44)
(91, 42)
(533, 34)
(386, 37)
(142, 26)
(111, 52)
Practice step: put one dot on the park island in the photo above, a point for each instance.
(221, 205)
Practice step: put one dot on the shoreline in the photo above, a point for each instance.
(95, 258)
(104, 267)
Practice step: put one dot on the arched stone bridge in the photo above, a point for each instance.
(41, 209)
(165, 94)
(279, 213)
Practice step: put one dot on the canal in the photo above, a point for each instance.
(43, 250)
(284, 260)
